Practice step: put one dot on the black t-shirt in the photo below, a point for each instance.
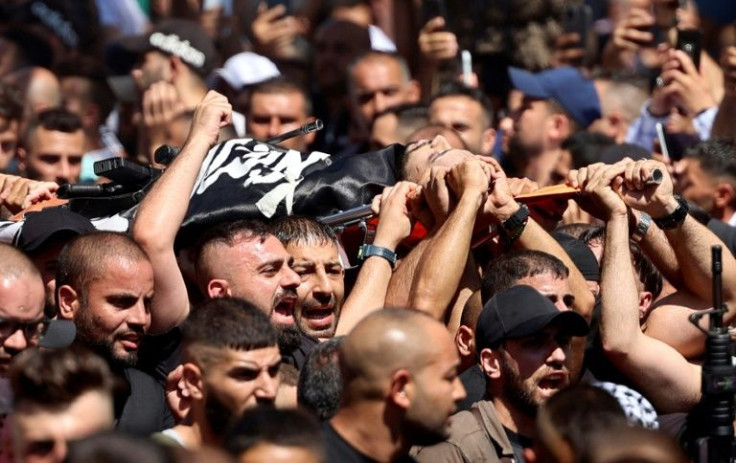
(298, 357)
(340, 451)
(518, 444)
(141, 408)
(474, 382)
(160, 354)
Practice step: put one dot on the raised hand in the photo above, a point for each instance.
(471, 177)
(600, 185)
(683, 82)
(274, 34)
(395, 218)
(632, 32)
(437, 195)
(568, 50)
(437, 44)
(499, 203)
(657, 200)
(211, 114)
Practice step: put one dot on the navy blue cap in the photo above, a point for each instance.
(522, 311)
(566, 85)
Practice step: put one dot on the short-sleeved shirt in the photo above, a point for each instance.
(340, 451)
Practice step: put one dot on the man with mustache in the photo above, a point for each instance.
(104, 284)
(230, 362)
(233, 259)
(321, 292)
(244, 259)
(524, 343)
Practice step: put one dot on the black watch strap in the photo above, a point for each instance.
(517, 220)
(512, 227)
(675, 219)
(368, 250)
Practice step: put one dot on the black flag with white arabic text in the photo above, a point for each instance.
(244, 179)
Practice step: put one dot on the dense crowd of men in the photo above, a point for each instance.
(535, 192)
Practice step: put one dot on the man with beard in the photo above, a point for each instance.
(233, 259)
(468, 111)
(230, 362)
(244, 259)
(524, 348)
(53, 146)
(314, 248)
(540, 270)
(104, 283)
(556, 104)
(400, 388)
(376, 81)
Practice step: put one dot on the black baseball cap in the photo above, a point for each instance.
(40, 228)
(181, 37)
(581, 256)
(522, 311)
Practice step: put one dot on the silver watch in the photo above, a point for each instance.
(641, 227)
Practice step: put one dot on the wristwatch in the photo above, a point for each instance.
(368, 250)
(512, 227)
(641, 227)
(675, 219)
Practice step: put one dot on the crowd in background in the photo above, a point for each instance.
(553, 178)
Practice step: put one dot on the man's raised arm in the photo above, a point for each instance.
(162, 211)
(658, 370)
(691, 242)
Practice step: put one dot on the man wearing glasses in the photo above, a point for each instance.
(21, 320)
(21, 305)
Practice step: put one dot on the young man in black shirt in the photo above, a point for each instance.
(400, 388)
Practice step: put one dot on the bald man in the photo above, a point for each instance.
(400, 387)
(21, 304)
(40, 88)
(21, 321)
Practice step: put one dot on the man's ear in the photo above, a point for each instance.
(176, 67)
(191, 383)
(68, 301)
(487, 142)
(559, 127)
(617, 124)
(465, 341)
(414, 91)
(724, 195)
(645, 304)
(401, 389)
(177, 395)
(91, 115)
(218, 288)
(490, 363)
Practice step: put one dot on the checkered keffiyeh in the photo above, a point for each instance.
(639, 411)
